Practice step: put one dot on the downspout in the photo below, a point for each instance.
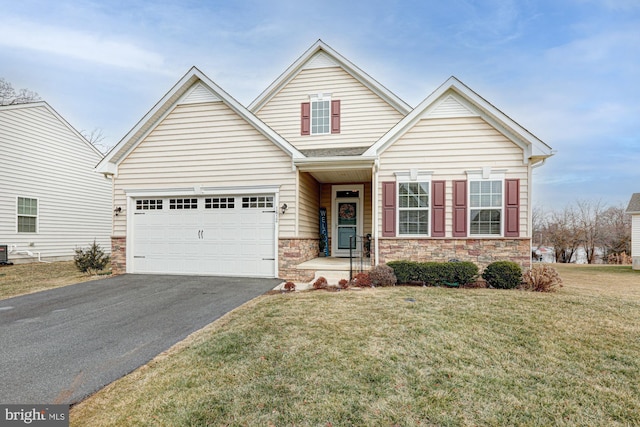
(375, 211)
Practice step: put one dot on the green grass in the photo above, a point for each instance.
(398, 356)
(23, 279)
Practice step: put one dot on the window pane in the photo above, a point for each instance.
(485, 221)
(26, 224)
(320, 117)
(27, 206)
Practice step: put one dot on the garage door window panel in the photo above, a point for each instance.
(183, 203)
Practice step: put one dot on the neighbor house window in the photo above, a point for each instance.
(413, 208)
(485, 203)
(27, 215)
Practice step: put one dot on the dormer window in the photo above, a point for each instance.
(321, 115)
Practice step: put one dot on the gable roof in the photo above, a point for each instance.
(194, 86)
(54, 113)
(634, 204)
(322, 55)
(455, 96)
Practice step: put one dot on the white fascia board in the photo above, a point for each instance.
(107, 168)
(529, 143)
(334, 163)
(347, 65)
(200, 191)
(163, 108)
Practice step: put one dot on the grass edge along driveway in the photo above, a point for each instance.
(400, 356)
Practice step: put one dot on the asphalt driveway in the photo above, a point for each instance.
(61, 345)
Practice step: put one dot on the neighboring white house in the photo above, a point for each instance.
(634, 210)
(208, 186)
(51, 199)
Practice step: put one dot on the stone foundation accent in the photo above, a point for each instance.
(118, 255)
(479, 251)
(292, 252)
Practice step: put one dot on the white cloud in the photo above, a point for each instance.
(82, 45)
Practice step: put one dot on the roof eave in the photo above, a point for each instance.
(350, 67)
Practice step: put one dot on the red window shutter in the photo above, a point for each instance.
(437, 208)
(460, 208)
(335, 116)
(389, 209)
(305, 118)
(512, 208)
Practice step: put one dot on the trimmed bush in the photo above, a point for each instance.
(320, 283)
(503, 274)
(92, 260)
(462, 273)
(451, 274)
(405, 271)
(289, 286)
(542, 278)
(343, 284)
(361, 280)
(382, 275)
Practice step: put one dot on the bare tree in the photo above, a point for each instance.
(96, 138)
(562, 233)
(590, 226)
(9, 96)
(616, 231)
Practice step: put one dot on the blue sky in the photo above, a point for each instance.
(567, 70)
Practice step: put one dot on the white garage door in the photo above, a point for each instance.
(209, 235)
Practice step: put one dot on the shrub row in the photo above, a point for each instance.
(435, 273)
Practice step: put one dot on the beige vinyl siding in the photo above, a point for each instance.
(635, 235)
(309, 199)
(364, 116)
(211, 146)
(451, 146)
(44, 159)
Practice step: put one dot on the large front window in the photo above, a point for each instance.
(485, 202)
(27, 215)
(413, 208)
(320, 116)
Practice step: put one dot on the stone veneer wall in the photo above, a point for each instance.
(118, 255)
(480, 251)
(292, 252)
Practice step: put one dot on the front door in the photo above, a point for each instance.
(347, 219)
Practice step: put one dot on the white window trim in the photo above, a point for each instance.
(317, 98)
(486, 174)
(413, 176)
(37, 215)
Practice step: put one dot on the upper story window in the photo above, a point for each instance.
(27, 215)
(320, 116)
(486, 207)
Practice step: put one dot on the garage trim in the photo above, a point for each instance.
(197, 191)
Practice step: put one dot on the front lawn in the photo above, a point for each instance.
(400, 356)
(23, 279)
